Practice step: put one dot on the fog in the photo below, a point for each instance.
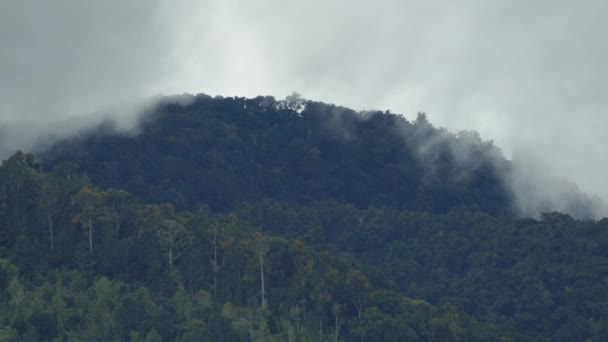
(532, 76)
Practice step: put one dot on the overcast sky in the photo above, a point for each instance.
(531, 75)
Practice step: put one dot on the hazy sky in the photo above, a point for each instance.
(531, 75)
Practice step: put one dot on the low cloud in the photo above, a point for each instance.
(532, 76)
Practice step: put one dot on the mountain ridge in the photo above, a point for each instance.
(257, 219)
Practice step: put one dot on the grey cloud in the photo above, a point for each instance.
(74, 60)
(530, 75)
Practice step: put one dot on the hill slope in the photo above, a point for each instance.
(78, 263)
(380, 228)
(221, 152)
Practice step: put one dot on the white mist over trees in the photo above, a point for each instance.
(530, 76)
(215, 151)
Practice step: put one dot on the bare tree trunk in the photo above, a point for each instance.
(262, 278)
(320, 328)
(117, 227)
(50, 217)
(359, 306)
(91, 240)
(337, 308)
(215, 266)
(337, 320)
(170, 257)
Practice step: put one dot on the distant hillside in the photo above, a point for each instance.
(221, 152)
(265, 220)
(81, 264)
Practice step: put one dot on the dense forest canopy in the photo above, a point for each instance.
(240, 219)
(225, 151)
(220, 152)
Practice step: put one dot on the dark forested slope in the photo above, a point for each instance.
(224, 151)
(263, 220)
(542, 278)
(81, 264)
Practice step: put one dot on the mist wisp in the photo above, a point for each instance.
(529, 75)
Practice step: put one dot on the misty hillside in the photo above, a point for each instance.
(233, 219)
(222, 152)
(130, 214)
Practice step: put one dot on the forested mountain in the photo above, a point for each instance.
(232, 219)
(79, 263)
(223, 151)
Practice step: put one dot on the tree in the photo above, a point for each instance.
(261, 244)
(358, 284)
(51, 197)
(153, 336)
(147, 218)
(294, 102)
(215, 265)
(337, 312)
(172, 236)
(88, 200)
(120, 204)
(50, 202)
(261, 247)
(19, 191)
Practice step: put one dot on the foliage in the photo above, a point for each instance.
(183, 276)
(235, 219)
(223, 151)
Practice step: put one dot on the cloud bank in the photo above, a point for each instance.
(532, 76)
